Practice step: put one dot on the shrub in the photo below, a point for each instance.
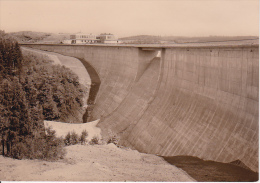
(94, 140)
(83, 137)
(45, 146)
(19, 150)
(114, 139)
(67, 139)
(74, 138)
(54, 147)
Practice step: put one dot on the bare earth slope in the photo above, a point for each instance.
(93, 163)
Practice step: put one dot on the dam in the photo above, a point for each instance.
(182, 100)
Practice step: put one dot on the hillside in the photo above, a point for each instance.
(77, 68)
(38, 37)
(183, 39)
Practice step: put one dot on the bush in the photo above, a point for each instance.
(94, 140)
(45, 146)
(114, 139)
(20, 151)
(67, 139)
(83, 137)
(74, 138)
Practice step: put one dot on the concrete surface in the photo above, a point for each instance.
(195, 100)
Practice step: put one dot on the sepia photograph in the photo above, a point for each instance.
(130, 90)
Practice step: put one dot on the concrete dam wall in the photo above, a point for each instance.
(197, 101)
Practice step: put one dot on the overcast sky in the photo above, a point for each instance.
(135, 17)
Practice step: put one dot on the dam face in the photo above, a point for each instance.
(197, 101)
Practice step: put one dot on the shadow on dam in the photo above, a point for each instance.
(95, 84)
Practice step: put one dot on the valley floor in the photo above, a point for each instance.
(93, 163)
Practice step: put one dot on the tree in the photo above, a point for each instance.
(31, 90)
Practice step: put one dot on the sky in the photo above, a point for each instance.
(133, 17)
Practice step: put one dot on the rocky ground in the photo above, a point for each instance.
(93, 163)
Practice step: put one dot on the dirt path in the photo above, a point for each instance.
(93, 163)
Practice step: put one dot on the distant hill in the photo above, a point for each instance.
(42, 37)
(210, 38)
(38, 37)
(141, 39)
(182, 39)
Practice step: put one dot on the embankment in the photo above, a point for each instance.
(200, 101)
